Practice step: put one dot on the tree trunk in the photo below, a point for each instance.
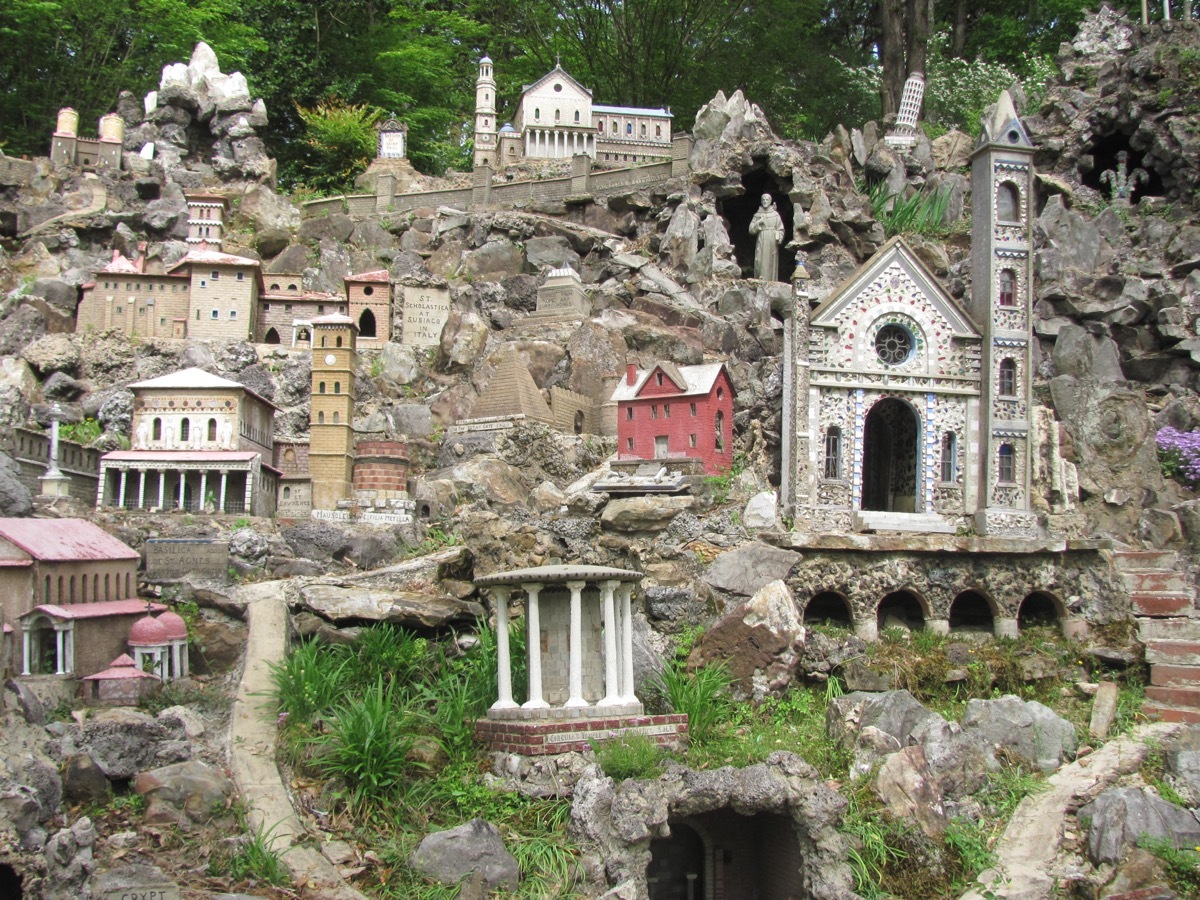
(891, 55)
(958, 38)
(916, 36)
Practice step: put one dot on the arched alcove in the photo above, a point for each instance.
(271, 337)
(1040, 608)
(738, 211)
(1104, 152)
(900, 609)
(828, 608)
(10, 883)
(676, 865)
(366, 322)
(971, 613)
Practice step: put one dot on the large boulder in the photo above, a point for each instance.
(52, 353)
(1181, 758)
(342, 604)
(748, 568)
(451, 856)
(183, 793)
(908, 789)
(69, 861)
(124, 742)
(642, 514)
(15, 499)
(1122, 816)
(1024, 728)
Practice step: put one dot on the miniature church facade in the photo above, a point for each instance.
(906, 411)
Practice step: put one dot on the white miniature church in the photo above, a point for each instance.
(907, 411)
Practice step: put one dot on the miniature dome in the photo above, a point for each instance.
(485, 59)
(148, 632)
(507, 128)
(176, 627)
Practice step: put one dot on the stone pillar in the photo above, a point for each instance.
(528, 142)
(533, 647)
(611, 691)
(61, 650)
(481, 189)
(25, 650)
(503, 662)
(1005, 627)
(162, 489)
(385, 191)
(224, 485)
(796, 466)
(142, 489)
(581, 172)
(575, 647)
(182, 485)
(203, 488)
(867, 629)
(121, 489)
(628, 694)
(938, 626)
(54, 482)
(248, 498)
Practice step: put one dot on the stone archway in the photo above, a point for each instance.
(828, 608)
(891, 458)
(971, 612)
(677, 865)
(901, 609)
(366, 324)
(1040, 608)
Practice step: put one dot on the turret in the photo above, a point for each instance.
(485, 115)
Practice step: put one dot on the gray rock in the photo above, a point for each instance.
(1026, 729)
(344, 605)
(463, 339)
(68, 856)
(909, 790)
(897, 713)
(124, 742)
(495, 259)
(84, 781)
(272, 241)
(1076, 240)
(748, 568)
(116, 882)
(43, 778)
(335, 227)
(1082, 354)
(1120, 817)
(1181, 757)
(476, 846)
(61, 386)
(15, 499)
(264, 209)
(550, 253)
(52, 353)
(761, 511)
(115, 413)
(642, 514)
(191, 791)
(25, 700)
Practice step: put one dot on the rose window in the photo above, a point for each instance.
(893, 344)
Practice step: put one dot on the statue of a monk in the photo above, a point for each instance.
(768, 226)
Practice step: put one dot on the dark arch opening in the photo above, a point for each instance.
(579, 422)
(970, 612)
(1104, 158)
(10, 882)
(271, 337)
(1038, 608)
(828, 608)
(676, 867)
(900, 609)
(738, 211)
(426, 512)
(366, 324)
(891, 457)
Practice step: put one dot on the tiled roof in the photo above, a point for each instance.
(333, 319)
(120, 669)
(632, 111)
(699, 380)
(120, 265)
(179, 455)
(64, 540)
(380, 276)
(213, 258)
(129, 607)
(188, 378)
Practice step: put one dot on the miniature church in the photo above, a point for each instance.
(906, 411)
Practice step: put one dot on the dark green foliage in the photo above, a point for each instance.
(341, 143)
(629, 756)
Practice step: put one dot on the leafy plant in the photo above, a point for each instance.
(920, 213)
(628, 756)
(703, 694)
(1183, 865)
(254, 858)
(309, 681)
(341, 139)
(84, 432)
(1179, 454)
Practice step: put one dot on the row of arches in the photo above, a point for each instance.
(970, 612)
(109, 589)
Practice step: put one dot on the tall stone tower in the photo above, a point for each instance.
(1002, 303)
(331, 432)
(485, 115)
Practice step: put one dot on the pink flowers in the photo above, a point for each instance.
(1179, 454)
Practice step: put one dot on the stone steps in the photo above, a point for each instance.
(1164, 605)
(921, 523)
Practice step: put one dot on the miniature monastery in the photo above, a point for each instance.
(905, 411)
(68, 148)
(556, 119)
(200, 442)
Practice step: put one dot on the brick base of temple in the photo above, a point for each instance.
(544, 738)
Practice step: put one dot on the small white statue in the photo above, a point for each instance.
(768, 226)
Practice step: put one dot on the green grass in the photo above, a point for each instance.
(922, 213)
(1182, 865)
(629, 756)
(703, 694)
(254, 859)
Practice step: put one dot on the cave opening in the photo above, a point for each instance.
(1104, 152)
(738, 211)
(828, 608)
(10, 883)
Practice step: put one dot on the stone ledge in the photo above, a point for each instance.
(544, 738)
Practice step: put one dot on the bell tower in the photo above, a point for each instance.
(1002, 203)
(485, 116)
(331, 432)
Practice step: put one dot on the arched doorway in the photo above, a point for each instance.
(891, 458)
(901, 609)
(828, 608)
(366, 324)
(1039, 609)
(43, 647)
(271, 337)
(971, 613)
(676, 870)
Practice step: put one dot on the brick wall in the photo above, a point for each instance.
(232, 300)
(31, 450)
(381, 467)
(147, 305)
(643, 422)
(542, 738)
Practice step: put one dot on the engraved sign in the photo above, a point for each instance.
(175, 558)
(391, 145)
(605, 734)
(425, 312)
(162, 891)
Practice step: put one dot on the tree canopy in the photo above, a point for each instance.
(809, 63)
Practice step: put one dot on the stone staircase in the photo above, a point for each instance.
(1169, 625)
(921, 523)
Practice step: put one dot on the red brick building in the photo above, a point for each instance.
(676, 412)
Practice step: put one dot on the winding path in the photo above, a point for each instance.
(1027, 850)
(252, 749)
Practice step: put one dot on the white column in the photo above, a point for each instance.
(203, 487)
(69, 641)
(533, 647)
(224, 484)
(627, 693)
(503, 660)
(182, 485)
(246, 502)
(575, 647)
(121, 491)
(58, 640)
(25, 651)
(142, 490)
(162, 489)
(528, 141)
(611, 692)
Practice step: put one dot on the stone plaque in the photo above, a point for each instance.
(425, 312)
(175, 558)
(162, 891)
(391, 145)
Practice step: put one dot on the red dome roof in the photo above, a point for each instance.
(148, 632)
(176, 627)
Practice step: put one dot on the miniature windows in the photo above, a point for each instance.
(185, 430)
(833, 452)
(287, 493)
(614, 126)
(629, 414)
(576, 117)
(654, 412)
(1008, 287)
(241, 276)
(212, 429)
(274, 287)
(949, 456)
(1008, 203)
(537, 112)
(643, 130)
(658, 131)
(691, 440)
(720, 393)
(46, 591)
(320, 418)
(600, 126)
(337, 387)
(216, 314)
(893, 345)
(233, 315)
(320, 307)
(156, 430)
(667, 410)
(693, 409)
(720, 432)
(118, 311)
(266, 307)
(322, 340)
(215, 275)
(557, 115)
(302, 335)
(1008, 378)
(1008, 463)
(629, 128)
(368, 291)
(336, 418)
(292, 287)
(321, 388)
(658, 378)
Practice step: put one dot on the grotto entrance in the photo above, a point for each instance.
(10, 883)
(725, 854)
(971, 613)
(738, 211)
(1104, 155)
(828, 608)
(900, 609)
(890, 457)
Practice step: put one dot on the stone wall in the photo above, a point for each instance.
(31, 450)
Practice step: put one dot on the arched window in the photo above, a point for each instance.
(576, 116)
(1008, 287)
(1008, 464)
(320, 418)
(128, 592)
(557, 115)
(107, 588)
(949, 456)
(1008, 378)
(46, 591)
(83, 589)
(61, 584)
(289, 456)
(157, 430)
(185, 429)
(833, 452)
(339, 340)
(322, 340)
(658, 131)
(212, 430)
(321, 388)
(537, 112)
(579, 422)
(629, 128)
(271, 337)
(366, 324)
(72, 588)
(95, 587)
(336, 417)
(302, 335)
(720, 431)
(1008, 203)
(287, 493)
(614, 126)
(643, 130)
(337, 387)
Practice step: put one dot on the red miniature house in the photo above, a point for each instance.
(676, 412)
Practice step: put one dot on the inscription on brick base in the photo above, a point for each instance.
(610, 733)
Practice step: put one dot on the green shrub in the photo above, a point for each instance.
(628, 756)
(703, 694)
(1183, 865)
(309, 681)
(341, 141)
(255, 859)
(922, 213)
(80, 432)
(387, 652)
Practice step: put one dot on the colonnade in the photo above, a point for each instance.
(548, 143)
(134, 486)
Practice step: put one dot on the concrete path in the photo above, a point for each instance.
(1027, 850)
(252, 749)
